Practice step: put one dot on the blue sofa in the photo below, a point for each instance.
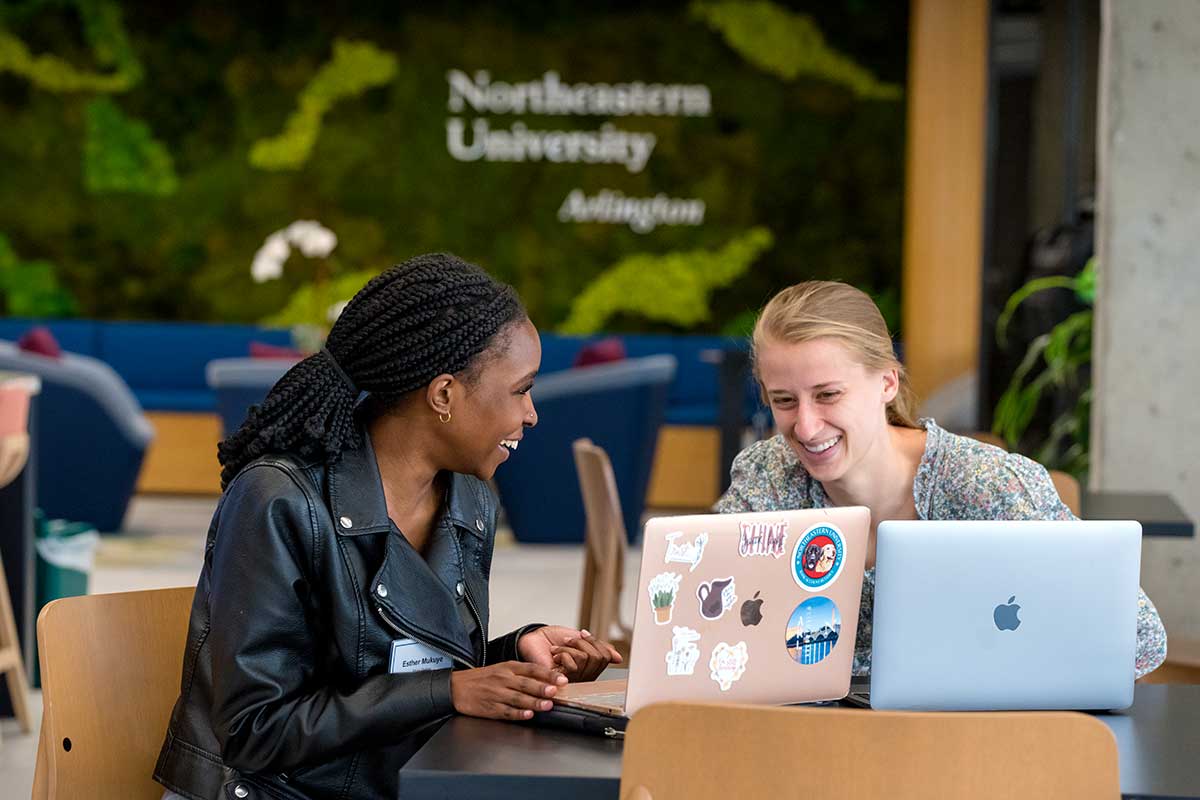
(693, 398)
(162, 362)
(619, 406)
(90, 440)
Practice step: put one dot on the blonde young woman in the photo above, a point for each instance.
(848, 436)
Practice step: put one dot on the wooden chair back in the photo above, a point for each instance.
(987, 437)
(14, 453)
(1068, 489)
(1182, 664)
(701, 751)
(604, 548)
(111, 668)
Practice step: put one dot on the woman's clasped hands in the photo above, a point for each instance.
(553, 656)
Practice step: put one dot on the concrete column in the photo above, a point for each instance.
(1146, 412)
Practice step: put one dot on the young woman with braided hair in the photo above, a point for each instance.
(342, 608)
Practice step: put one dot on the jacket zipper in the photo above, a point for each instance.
(385, 615)
(483, 634)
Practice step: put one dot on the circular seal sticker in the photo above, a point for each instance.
(818, 557)
(813, 630)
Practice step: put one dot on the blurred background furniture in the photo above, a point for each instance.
(238, 383)
(110, 677)
(1182, 664)
(620, 407)
(1158, 512)
(16, 393)
(91, 441)
(1067, 487)
(604, 548)
(694, 751)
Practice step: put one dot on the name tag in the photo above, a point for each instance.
(409, 655)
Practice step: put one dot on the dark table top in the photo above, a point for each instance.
(1158, 741)
(1159, 514)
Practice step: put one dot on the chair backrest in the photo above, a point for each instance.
(111, 667)
(697, 751)
(604, 545)
(1068, 489)
(987, 437)
(620, 406)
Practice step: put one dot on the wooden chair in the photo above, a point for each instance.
(111, 667)
(604, 558)
(987, 437)
(699, 751)
(14, 451)
(1068, 490)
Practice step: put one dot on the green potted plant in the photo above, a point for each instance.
(1058, 360)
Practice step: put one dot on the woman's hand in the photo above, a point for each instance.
(510, 690)
(564, 649)
(584, 657)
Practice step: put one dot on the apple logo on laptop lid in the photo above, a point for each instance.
(1005, 615)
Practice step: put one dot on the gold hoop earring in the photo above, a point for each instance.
(444, 417)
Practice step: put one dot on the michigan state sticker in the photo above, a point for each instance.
(818, 557)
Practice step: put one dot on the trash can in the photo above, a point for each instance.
(66, 552)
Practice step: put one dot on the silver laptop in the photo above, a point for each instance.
(1005, 615)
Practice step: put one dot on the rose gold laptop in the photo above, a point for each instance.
(745, 608)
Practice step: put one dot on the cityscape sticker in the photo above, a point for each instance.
(813, 630)
(818, 557)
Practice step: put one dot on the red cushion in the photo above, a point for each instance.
(600, 352)
(264, 350)
(41, 341)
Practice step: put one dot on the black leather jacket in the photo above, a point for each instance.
(306, 582)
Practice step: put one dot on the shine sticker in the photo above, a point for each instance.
(716, 597)
(762, 539)
(684, 651)
(663, 588)
(813, 630)
(727, 663)
(688, 553)
(818, 557)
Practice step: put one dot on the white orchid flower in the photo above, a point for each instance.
(313, 238)
(268, 261)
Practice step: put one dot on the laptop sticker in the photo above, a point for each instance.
(663, 588)
(752, 611)
(688, 553)
(818, 557)
(716, 597)
(727, 663)
(813, 630)
(762, 539)
(684, 651)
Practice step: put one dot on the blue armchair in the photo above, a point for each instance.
(90, 440)
(238, 383)
(620, 407)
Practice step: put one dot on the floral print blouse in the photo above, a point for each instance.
(959, 478)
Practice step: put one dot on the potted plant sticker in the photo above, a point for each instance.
(663, 588)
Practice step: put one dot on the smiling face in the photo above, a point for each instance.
(492, 406)
(830, 409)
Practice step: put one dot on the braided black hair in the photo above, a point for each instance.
(431, 315)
